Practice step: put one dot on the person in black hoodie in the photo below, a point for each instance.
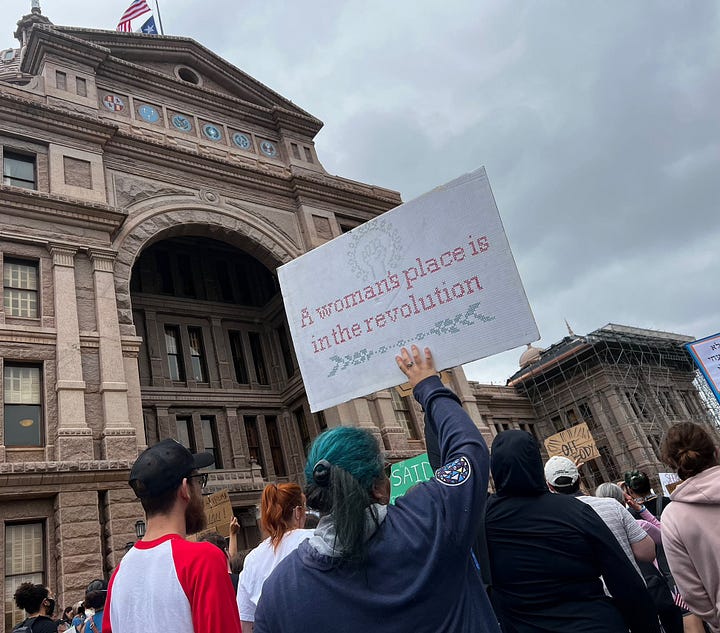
(547, 553)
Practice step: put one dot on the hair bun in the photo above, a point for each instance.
(321, 473)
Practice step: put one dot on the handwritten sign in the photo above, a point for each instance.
(436, 272)
(669, 481)
(404, 475)
(706, 354)
(576, 443)
(406, 390)
(218, 511)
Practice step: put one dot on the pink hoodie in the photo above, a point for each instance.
(691, 538)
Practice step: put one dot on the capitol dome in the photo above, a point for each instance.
(530, 355)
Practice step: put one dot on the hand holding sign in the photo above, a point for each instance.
(416, 367)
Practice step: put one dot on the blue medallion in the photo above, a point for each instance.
(213, 133)
(267, 148)
(242, 140)
(182, 123)
(148, 113)
(454, 473)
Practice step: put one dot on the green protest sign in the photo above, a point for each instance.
(404, 475)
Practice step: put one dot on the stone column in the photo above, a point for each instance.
(119, 439)
(236, 434)
(132, 372)
(393, 435)
(74, 440)
(120, 512)
(221, 354)
(79, 550)
(635, 447)
(153, 335)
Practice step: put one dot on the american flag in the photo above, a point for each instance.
(137, 8)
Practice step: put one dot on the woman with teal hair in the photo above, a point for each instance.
(370, 566)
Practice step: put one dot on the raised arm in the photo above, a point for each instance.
(460, 483)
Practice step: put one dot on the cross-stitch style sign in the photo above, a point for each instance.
(436, 272)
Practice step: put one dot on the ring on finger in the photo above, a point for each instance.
(409, 365)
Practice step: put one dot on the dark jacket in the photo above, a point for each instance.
(418, 575)
(548, 551)
(40, 624)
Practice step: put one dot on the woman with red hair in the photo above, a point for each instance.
(282, 515)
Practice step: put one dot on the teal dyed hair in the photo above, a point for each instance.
(354, 450)
(346, 492)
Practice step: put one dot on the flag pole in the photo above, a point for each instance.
(157, 6)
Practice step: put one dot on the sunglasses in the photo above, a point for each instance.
(201, 477)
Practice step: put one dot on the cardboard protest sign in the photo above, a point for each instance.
(404, 475)
(669, 482)
(706, 354)
(575, 443)
(406, 390)
(218, 510)
(436, 272)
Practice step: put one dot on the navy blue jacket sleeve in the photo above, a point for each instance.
(460, 484)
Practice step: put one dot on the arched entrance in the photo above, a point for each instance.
(216, 366)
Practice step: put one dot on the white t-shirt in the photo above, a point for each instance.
(621, 523)
(170, 584)
(258, 565)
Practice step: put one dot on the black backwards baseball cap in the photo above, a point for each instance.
(163, 467)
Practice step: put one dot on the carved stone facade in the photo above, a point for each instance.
(150, 190)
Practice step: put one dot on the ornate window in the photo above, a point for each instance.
(23, 405)
(19, 170)
(20, 288)
(24, 562)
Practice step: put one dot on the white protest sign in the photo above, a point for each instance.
(436, 272)
(706, 353)
(668, 481)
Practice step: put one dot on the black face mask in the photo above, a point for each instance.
(50, 608)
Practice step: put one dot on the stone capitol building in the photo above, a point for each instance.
(150, 191)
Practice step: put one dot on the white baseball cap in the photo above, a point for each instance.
(557, 467)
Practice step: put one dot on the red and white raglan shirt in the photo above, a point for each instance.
(171, 584)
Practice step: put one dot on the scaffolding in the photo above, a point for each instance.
(628, 384)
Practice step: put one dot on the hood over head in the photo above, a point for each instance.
(516, 465)
(702, 488)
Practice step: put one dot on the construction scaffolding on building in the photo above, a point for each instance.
(628, 384)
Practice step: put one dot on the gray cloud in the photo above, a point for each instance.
(597, 124)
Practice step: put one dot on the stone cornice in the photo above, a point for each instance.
(62, 208)
(55, 119)
(9, 334)
(272, 178)
(25, 479)
(45, 38)
(189, 51)
(347, 191)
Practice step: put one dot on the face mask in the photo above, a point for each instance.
(50, 608)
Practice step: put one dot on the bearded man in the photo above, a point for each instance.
(166, 583)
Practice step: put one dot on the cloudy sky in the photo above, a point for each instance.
(598, 123)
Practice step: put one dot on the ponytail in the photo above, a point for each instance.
(343, 466)
(689, 449)
(276, 509)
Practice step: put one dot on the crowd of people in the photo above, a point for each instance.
(38, 602)
(539, 554)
